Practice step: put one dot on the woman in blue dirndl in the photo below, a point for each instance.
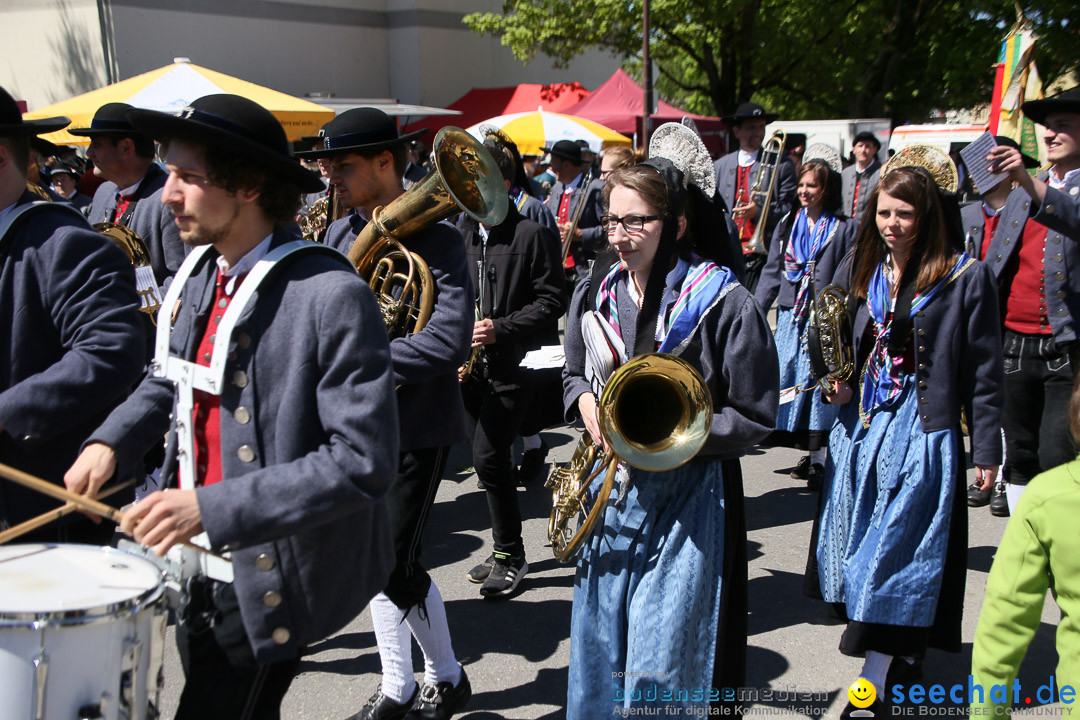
(892, 532)
(659, 615)
(815, 233)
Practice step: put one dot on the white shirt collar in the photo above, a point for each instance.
(991, 211)
(129, 191)
(1060, 184)
(244, 265)
(746, 159)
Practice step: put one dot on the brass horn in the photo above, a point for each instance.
(655, 414)
(465, 179)
(772, 154)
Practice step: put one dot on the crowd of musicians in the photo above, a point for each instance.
(245, 380)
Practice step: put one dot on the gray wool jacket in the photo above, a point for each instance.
(733, 349)
(308, 446)
(430, 408)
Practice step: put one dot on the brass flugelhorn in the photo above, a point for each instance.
(655, 413)
(771, 156)
(828, 335)
(465, 179)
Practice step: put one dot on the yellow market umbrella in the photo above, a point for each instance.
(533, 131)
(172, 88)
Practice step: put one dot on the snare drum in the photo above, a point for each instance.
(82, 632)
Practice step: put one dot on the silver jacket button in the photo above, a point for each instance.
(281, 635)
(242, 415)
(240, 379)
(272, 599)
(264, 562)
(245, 453)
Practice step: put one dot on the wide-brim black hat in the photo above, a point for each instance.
(46, 148)
(110, 119)
(360, 130)
(749, 111)
(234, 124)
(868, 137)
(1037, 110)
(566, 149)
(12, 122)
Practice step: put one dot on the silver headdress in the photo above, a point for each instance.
(684, 149)
(825, 153)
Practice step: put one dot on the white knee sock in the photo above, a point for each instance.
(433, 636)
(875, 669)
(395, 649)
(531, 442)
(817, 457)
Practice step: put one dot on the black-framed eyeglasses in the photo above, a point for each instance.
(630, 223)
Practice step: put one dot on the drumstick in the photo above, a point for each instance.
(81, 503)
(48, 517)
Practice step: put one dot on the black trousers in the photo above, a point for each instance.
(223, 680)
(1038, 383)
(497, 411)
(409, 504)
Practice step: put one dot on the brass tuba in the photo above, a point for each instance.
(828, 335)
(655, 413)
(465, 179)
(133, 246)
(771, 156)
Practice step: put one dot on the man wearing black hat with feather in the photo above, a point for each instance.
(272, 380)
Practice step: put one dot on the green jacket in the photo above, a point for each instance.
(1038, 551)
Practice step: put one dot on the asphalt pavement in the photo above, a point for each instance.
(516, 650)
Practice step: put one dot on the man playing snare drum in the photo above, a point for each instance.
(282, 452)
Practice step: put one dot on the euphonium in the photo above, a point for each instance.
(771, 155)
(655, 413)
(828, 335)
(465, 179)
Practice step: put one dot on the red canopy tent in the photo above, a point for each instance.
(479, 104)
(618, 104)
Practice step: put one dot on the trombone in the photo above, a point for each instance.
(771, 155)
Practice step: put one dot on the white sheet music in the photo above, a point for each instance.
(549, 356)
(974, 156)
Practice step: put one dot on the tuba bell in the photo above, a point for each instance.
(655, 413)
(465, 179)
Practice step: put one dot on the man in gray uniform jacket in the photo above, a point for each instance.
(272, 379)
(367, 157)
(1041, 361)
(71, 334)
(735, 174)
(858, 180)
(131, 193)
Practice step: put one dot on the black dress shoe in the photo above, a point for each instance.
(801, 471)
(532, 465)
(999, 503)
(977, 497)
(439, 701)
(816, 477)
(380, 707)
(876, 710)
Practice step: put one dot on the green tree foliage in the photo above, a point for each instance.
(805, 58)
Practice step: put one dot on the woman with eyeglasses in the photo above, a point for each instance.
(659, 615)
(891, 544)
(815, 233)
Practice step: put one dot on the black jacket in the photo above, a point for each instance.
(523, 290)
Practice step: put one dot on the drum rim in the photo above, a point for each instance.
(107, 612)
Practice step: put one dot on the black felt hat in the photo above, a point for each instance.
(110, 119)
(1037, 110)
(748, 111)
(868, 137)
(364, 129)
(234, 124)
(566, 149)
(12, 123)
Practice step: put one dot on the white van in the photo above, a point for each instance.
(839, 133)
(947, 138)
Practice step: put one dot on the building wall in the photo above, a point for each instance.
(414, 50)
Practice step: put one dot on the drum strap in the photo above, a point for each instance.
(189, 376)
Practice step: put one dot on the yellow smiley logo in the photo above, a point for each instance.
(862, 693)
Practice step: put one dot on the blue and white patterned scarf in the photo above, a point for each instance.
(805, 245)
